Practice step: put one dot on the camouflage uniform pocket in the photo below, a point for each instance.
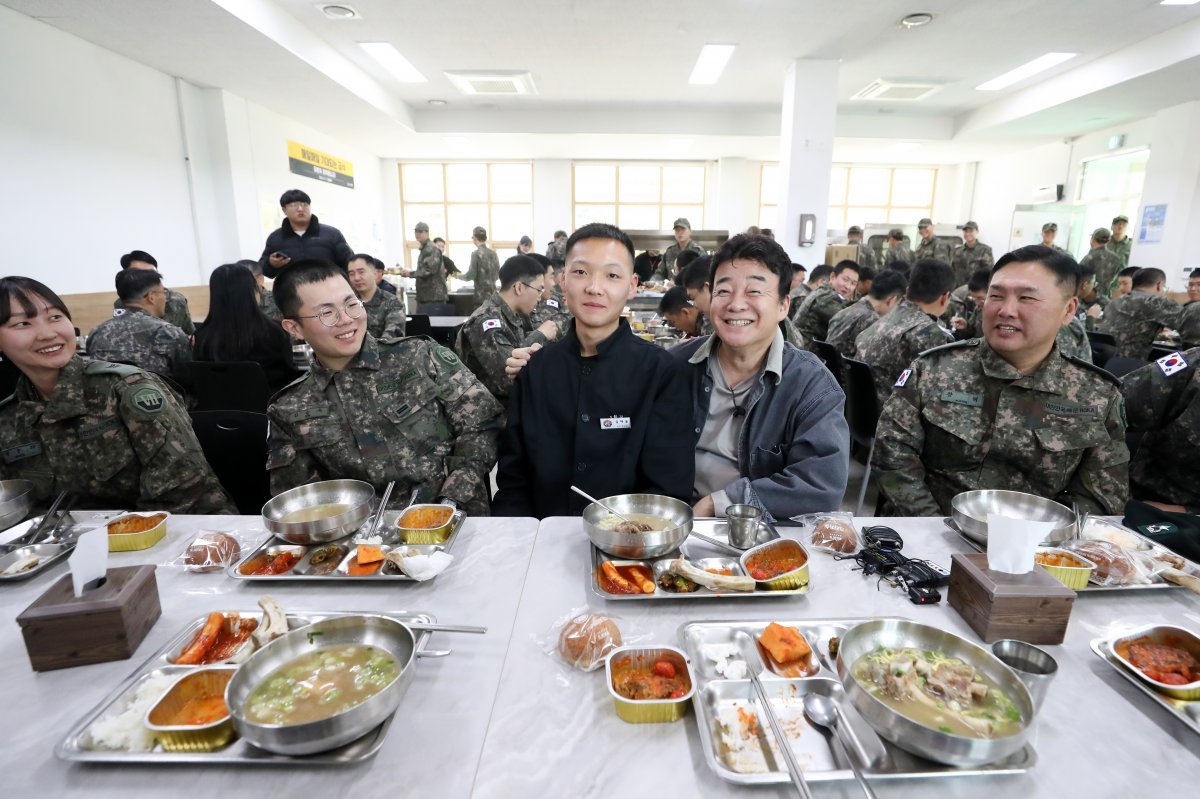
(314, 435)
(1071, 438)
(953, 437)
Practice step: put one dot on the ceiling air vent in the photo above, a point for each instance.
(491, 82)
(880, 89)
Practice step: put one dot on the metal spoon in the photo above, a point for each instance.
(387, 494)
(764, 703)
(589, 497)
(823, 711)
(721, 545)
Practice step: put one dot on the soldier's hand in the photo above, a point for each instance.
(548, 329)
(516, 362)
(279, 260)
(1095, 312)
(705, 507)
(958, 323)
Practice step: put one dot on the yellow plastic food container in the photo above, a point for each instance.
(142, 539)
(650, 711)
(1073, 577)
(780, 547)
(192, 738)
(425, 535)
(1169, 635)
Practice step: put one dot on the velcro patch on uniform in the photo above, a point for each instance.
(1160, 528)
(1062, 408)
(14, 454)
(118, 312)
(491, 324)
(148, 400)
(447, 356)
(95, 431)
(900, 381)
(552, 303)
(1172, 363)
(961, 398)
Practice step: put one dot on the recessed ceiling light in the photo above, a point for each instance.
(339, 12)
(711, 63)
(436, 102)
(390, 59)
(1028, 70)
(916, 20)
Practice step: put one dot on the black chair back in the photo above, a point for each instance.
(832, 359)
(235, 445)
(418, 325)
(862, 403)
(231, 386)
(440, 309)
(1120, 366)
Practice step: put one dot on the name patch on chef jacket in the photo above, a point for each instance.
(491, 324)
(615, 423)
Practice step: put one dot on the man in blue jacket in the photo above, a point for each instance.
(769, 416)
(301, 237)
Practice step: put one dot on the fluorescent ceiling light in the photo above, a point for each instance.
(711, 63)
(390, 59)
(1179, 2)
(1039, 64)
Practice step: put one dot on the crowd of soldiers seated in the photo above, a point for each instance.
(983, 376)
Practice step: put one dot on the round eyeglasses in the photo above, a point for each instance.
(353, 309)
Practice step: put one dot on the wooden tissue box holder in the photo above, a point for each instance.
(1032, 607)
(106, 623)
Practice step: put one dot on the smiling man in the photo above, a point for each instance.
(1008, 411)
(812, 318)
(600, 409)
(406, 410)
(385, 312)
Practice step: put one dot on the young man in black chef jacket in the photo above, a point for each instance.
(600, 409)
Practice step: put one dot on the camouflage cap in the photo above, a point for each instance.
(1120, 218)
(970, 226)
(926, 222)
(421, 228)
(1046, 228)
(681, 222)
(854, 230)
(1102, 235)
(480, 233)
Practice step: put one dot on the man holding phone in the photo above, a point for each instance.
(301, 237)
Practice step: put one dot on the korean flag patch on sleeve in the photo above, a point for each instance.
(1172, 363)
(491, 324)
(900, 381)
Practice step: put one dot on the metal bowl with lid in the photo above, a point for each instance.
(16, 499)
(970, 511)
(285, 514)
(637, 546)
(910, 735)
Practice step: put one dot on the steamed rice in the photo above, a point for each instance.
(127, 730)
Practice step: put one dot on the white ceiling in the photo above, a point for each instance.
(612, 75)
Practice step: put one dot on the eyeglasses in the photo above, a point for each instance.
(296, 205)
(353, 309)
(538, 289)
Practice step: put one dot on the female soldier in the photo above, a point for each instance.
(113, 435)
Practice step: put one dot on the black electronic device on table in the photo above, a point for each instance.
(881, 555)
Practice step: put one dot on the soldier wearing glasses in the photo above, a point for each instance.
(406, 410)
(302, 237)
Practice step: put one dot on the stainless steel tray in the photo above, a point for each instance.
(694, 550)
(75, 745)
(1087, 589)
(822, 760)
(1188, 712)
(54, 547)
(386, 574)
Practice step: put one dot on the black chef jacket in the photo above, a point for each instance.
(619, 422)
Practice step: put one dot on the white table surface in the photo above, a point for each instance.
(431, 749)
(446, 321)
(553, 730)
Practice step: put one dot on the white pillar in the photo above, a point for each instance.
(806, 154)
(736, 195)
(1173, 180)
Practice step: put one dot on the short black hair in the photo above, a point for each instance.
(254, 266)
(132, 284)
(599, 230)
(684, 259)
(842, 266)
(362, 256)
(1086, 272)
(749, 247)
(820, 271)
(541, 259)
(16, 290)
(1064, 267)
(1128, 271)
(696, 275)
(930, 279)
(301, 273)
(293, 196)
(519, 269)
(1194, 273)
(380, 266)
(439, 238)
(889, 283)
(558, 234)
(1149, 277)
(674, 301)
(979, 279)
(138, 255)
(866, 273)
(801, 268)
(903, 267)
(896, 234)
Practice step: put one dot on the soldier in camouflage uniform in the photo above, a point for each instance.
(113, 435)
(1103, 263)
(266, 303)
(556, 251)
(897, 250)
(1134, 319)
(485, 266)
(1073, 341)
(1120, 244)
(683, 241)
(1049, 233)
(430, 276)
(552, 308)
(886, 293)
(1162, 400)
(503, 323)
(931, 247)
(406, 410)
(385, 312)
(1092, 304)
(866, 256)
(177, 312)
(137, 334)
(965, 315)
(1008, 411)
(1189, 322)
(971, 255)
(812, 317)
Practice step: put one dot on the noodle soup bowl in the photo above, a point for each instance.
(638, 546)
(914, 736)
(355, 495)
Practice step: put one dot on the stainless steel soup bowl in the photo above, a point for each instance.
(912, 736)
(354, 493)
(970, 511)
(637, 546)
(16, 498)
(337, 730)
